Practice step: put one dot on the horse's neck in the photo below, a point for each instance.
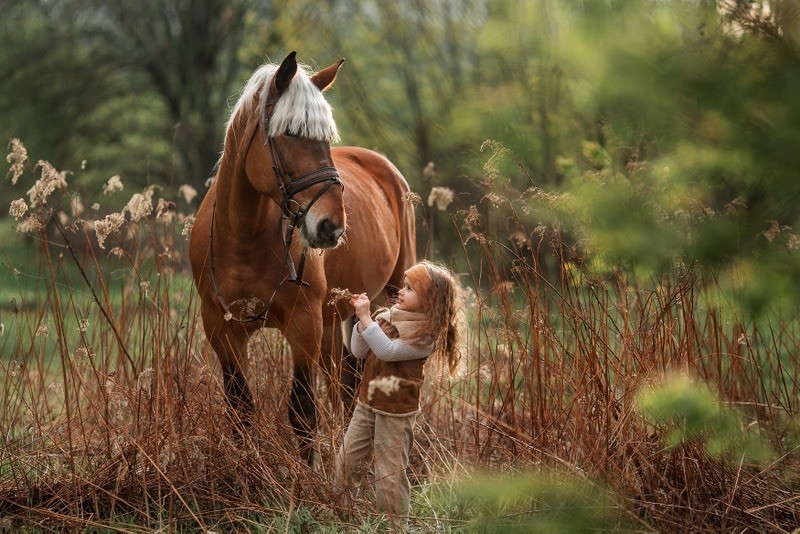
(240, 209)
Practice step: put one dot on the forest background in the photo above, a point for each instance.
(668, 129)
(630, 166)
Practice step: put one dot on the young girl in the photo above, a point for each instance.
(424, 322)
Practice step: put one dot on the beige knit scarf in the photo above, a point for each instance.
(407, 324)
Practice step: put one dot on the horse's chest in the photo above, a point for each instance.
(240, 279)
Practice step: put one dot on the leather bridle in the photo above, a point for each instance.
(291, 219)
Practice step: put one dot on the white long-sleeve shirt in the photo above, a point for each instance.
(390, 350)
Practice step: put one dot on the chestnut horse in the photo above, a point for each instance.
(278, 176)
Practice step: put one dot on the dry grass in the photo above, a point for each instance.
(113, 417)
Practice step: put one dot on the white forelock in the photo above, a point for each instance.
(301, 110)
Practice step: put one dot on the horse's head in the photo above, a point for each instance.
(291, 161)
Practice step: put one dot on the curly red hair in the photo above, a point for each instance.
(441, 298)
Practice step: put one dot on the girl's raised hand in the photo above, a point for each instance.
(361, 305)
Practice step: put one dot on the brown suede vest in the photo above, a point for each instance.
(403, 380)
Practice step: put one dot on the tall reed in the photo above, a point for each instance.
(113, 414)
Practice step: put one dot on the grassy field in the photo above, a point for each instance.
(586, 404)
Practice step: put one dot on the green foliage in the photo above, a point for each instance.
(688, 410)
(61, 97)
(299, 521)
(667, 131)
(686, 139)
(118, 85)
(533, 503)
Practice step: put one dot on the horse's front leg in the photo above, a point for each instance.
(304, 334)
(229, 341)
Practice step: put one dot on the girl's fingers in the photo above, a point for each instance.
(360, 301)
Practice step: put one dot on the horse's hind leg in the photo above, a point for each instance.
(302, 410)
(304, 334)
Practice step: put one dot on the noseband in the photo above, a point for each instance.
(288, 187)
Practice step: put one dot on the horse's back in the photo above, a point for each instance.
(373, 166)
(380, 241)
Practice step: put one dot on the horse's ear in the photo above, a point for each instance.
(324, 78)
(285, 74)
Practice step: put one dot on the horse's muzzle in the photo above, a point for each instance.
(326, 235)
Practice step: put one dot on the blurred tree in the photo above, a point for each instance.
(188, 50)
(700, 126)
(517, 94)
(672, 126)
(150, 76)
(407, 64)
(62, 103)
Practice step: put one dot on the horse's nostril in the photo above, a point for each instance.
(327, 230)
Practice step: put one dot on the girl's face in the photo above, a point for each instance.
(408, 298)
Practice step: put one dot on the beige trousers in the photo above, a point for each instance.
(388, 441)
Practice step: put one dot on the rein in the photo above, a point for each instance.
(288, 187)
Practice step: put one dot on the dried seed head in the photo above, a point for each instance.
(140, 205)
(187, 227)
(31, 224)
(442, 197)
(429, 172)
(110, 224)
(18, 208)
(339, 294)
(520, 239)
(774, 231)
(113, 185)
(248, 306)
(165, 210)
(17, 157)
(49, 181)
(494, 198)
(504, 286)
(412, 198)
(187, 192)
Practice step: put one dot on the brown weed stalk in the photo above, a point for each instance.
(113, 414)
(557, 358)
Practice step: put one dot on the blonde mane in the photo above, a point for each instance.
(301, 110)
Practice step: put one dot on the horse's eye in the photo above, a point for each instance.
(287, 133)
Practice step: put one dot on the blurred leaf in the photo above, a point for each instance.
(688, 410)
(536, 503)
